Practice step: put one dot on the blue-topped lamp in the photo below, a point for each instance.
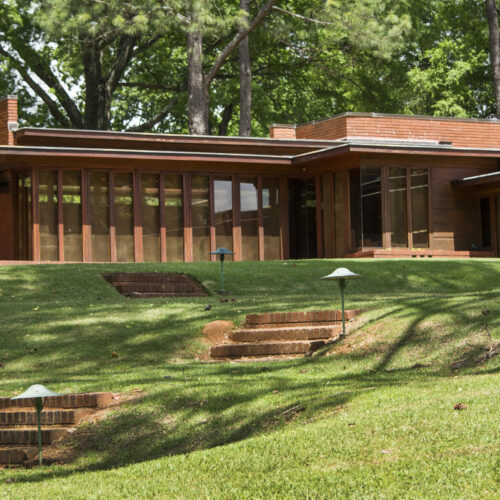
(342, 275)
(38, 393)
(222, 252)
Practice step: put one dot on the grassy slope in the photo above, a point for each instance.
(371, 424)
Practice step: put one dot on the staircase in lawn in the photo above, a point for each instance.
(282, 333)
(18, 423)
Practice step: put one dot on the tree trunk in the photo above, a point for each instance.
(491, 10)
(226, 118)
(245, 78)
(197, 90)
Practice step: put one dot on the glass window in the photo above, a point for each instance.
(398, 210)
(99, 216)
(326, 211)
(174, 218)
(49, 218)
(24, 217)
(371, 206)
(338, 187)
(270, 206)
(223, 208)
(72, 215)
(200, 216)
(249, 218)
(419, 208)
(497, 206)
(151, 217)
(124, 216)
(355, 202)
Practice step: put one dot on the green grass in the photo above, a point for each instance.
(367, 419)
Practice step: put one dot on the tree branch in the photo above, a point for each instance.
(123, 56)
(257, 20)
(149, 124)
(302, 18)
(51, 104)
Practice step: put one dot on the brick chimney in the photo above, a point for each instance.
(8, 119)
(282, 131)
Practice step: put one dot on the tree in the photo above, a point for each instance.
(492, 14)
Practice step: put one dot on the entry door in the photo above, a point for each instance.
(302, 218)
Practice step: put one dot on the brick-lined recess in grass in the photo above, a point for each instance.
(150, 285)
(18, 422)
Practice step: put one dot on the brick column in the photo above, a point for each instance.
(8, 119)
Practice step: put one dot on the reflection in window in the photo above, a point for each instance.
(72, 215)
(150, 196)
(200, 216)
(371, 206)
(124, 216)
(338, 187)
(249, 219)
(49, 219)
(326, 211)
(223, 208)
(174, 218)
(419, 208)
(99, 216)
(397, 194)
(272, 245)
(355, 201)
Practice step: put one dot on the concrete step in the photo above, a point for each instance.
(301, 318)
(115, 278)
(87, 400)
(288, 333)
(30, 435)
(13, 417)
(156, 287)
(264, 349)
(17, 455)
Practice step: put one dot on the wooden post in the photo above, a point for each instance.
(35, 211)
(236, 217)
(385, 203)
(138, 248)
(409, 223)
(112, 219)
(319, 225)
(261, 218)
(188, 226)
(163, 226)
(86, 217)
(284, 223)
(347, 213)
(211, 208)
(60, 215)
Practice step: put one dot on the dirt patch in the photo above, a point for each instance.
(361, 341)
(216, 332)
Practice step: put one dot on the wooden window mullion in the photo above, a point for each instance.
(188, 225)
(112, 218)
(163, 226)
(60, 216)
(261, 218)
(236, 217)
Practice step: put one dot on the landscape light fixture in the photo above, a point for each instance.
(222, 252)
(342, 275)
(38, 393)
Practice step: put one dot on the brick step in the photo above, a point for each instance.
(137, 295)
(157, 287)
(288, 333)
(264, 349)
(303, 318)
(17, 455)
(148, 277)
(30, 436)
(86, 400)
(13, 417)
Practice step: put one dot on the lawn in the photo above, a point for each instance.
(369, 417)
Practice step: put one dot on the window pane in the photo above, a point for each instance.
(124, 216)
(272, 244)
(355, 202)
(484, 204)
(326, 211)
(99, 216)
(371, 207)
(151, 217)
(223, 208)
(397, 195)
(338, 187)
(419, 208)
(24, 217)
(174, 217)
(249, 219)
(72, 215)
(497, 203)
(200, 216)
(49, 221)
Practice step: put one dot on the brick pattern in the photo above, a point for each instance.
(30, 436)
(50, 417)
(88, 400)
(460, 132)
(303, 318)
(15, 455)
(150, 285)
(8, 113)
(286, 333)
(263, 349)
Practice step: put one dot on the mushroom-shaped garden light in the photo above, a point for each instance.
(342, 275)
(222, 252)
(38, 393)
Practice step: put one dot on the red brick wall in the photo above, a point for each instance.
(6, 226)
(282, 132)
(8, 113)
(461, 132)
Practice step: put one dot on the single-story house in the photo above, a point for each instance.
(355, 184)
